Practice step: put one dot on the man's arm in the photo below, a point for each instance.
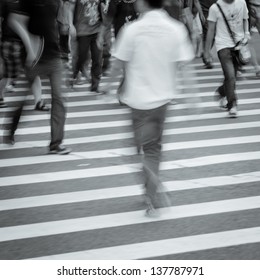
(209, 39)
(198, 6)
(72, 29)
(19, 24)
(246, 29)
(107, 12)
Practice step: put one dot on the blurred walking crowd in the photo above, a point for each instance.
(44, 38)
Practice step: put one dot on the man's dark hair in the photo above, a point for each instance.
(157, 4)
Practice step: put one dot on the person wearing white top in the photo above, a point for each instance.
(149, 49)
(236, 14)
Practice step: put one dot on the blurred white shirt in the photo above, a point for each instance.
(151, 46)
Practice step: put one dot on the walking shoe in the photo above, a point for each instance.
(60, 149)
(232, 113)
(151, 212)
(41, 106)
(221, 100)
(223, 103)
(9, 88)
(9, 138)
(207, 63)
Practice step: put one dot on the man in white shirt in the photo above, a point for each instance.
(236, 14)
(148, 50)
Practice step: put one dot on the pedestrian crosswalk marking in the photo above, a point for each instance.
(124, 169)
(126, 191)
(227, 134)
(110, 124)
(130, 151)
(111, 112)
(86, 94)
(127, 218)
(129, 135)
(166, 247)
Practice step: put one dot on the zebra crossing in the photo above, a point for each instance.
(89, 204)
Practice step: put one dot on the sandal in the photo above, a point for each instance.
(41, 106)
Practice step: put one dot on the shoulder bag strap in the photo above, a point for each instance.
(228, 27)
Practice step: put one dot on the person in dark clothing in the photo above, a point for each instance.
(66, 28)
(89, 21)
(205, 5)
(120, 12)
(38, 19)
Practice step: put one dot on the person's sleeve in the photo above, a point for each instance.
(124, 44)
(185, 50)
(213, 13)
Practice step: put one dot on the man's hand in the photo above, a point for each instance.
(203, 19)
(30, 59)
(247, 36)
(100, 41)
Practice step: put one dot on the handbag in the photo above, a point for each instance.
(243, 54)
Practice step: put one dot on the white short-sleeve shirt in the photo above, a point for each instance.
(235, 13)
(151, 46)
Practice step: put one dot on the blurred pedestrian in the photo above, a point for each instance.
(236, 14)
(66, 27)
(36, 20)
(205, 5)
(149, 50)
(88, 21)
(13, 53)
(254, 13)
(120, 12)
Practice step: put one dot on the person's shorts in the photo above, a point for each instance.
(13, 54)
(254, 14)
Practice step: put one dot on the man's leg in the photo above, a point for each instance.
(13, 57)
(148, 128)
(227, 60)
(96, 69)
(107, 49)
(58, 111)
(83, 43)
(3, 83)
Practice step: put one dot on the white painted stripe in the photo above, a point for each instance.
(195, 85)
(77, 94)
(214, 85)
(126, 191)
(123, 169)
(95, 125)
(166, 247)
(179, 79)
(111, 153)
(129, 135)
(123, 111)
(126, 218)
